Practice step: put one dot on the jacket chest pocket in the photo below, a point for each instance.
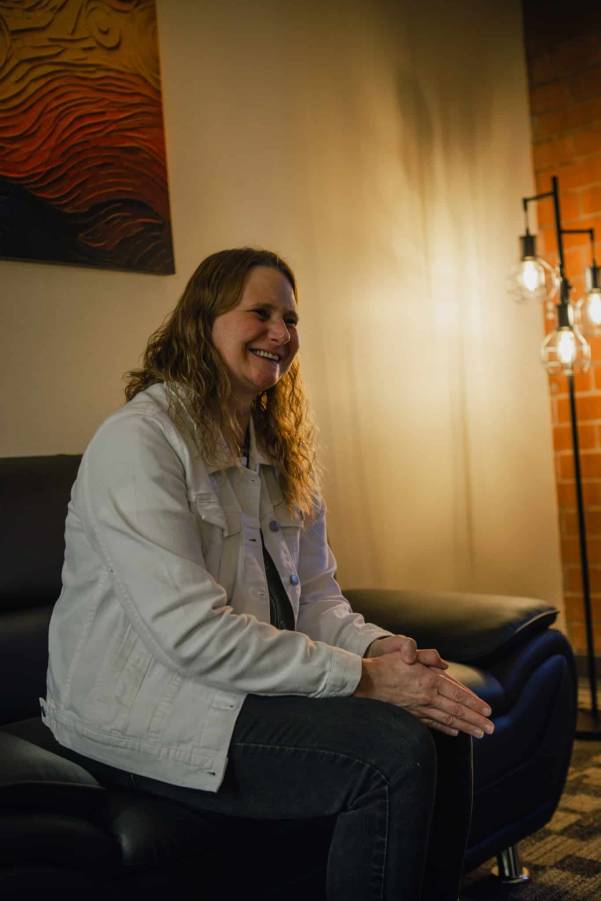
(289, 525)
(220, 538)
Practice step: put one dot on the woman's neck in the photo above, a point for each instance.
(243, 422)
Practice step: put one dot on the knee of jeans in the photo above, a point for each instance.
(419, 749)
(401, 743)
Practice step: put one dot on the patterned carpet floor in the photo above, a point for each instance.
(564, 858)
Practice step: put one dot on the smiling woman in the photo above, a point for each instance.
(201, 647)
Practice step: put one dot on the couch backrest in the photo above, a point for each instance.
(34, 494)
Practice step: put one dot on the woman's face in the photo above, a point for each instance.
(258, 339)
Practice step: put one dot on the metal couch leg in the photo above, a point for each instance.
(509, 869)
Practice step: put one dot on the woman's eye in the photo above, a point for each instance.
(293, 322)
(262, 314)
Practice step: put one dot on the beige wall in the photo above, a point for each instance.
(383, 150)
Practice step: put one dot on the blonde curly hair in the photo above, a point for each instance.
(181, 354)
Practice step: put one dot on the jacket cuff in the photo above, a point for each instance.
(344, 676)
(362, 639)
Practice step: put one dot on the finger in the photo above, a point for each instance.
(408, 649)
(450, 721)
(453, 679)
(462, 712)
(455, 691)
(431, 657)
(438, 727)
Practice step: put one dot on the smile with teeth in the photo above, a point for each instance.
(265, 353)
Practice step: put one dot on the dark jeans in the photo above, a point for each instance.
(400, 794)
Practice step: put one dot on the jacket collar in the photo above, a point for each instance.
(257, 456)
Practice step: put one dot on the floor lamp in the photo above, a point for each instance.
(565, 351)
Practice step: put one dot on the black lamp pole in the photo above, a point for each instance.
(588, 724)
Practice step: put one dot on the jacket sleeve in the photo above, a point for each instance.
(324, 614)
(132, 497)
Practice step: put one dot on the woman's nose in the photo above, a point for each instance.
(279, 332)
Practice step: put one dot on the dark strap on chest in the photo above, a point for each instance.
(280, 611)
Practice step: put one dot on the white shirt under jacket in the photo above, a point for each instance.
(162, 626)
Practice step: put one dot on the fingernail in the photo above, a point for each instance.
(478, 733)
(487, 711)
(490, 728)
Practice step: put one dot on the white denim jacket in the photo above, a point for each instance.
(162, 626)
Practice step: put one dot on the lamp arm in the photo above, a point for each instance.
(583, 231)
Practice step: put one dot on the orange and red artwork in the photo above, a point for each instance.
(83, 176)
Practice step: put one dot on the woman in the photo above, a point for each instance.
(201, 642)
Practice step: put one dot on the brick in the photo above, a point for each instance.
(556, 152)
(592, 496)
(573, 609)
(584, 84)
(544, 214)
(593, 523)
(595, 343)
(566, 496)
(546, 124)
(577, 258)
(591, 201)
(559, 384)
(573, 579)
(580, 174)
(577, 281)
(583, 381)
(571, 211)
(592, 220)
(541, 69)
(551, 96)
(568, 523)
(578, 114)
(590, 464)
(575, 55)
(543, 181)
(579, 240)
(588, 407)
(570, 550)
(562, 437)
(587, 140)
(577, 636)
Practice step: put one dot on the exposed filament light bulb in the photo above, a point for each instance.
(589, 307)
(532, 278)
(564, 350)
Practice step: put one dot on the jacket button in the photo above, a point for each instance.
(294, 579)
(274, 525)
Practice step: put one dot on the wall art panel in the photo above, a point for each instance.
(83, 176)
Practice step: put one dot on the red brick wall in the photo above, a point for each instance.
(563, 51)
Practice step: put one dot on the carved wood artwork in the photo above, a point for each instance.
(83, 177)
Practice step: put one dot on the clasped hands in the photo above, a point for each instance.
(395, 670)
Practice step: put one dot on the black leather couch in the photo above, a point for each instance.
(61, 830)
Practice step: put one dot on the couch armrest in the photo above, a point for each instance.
(34, 778)
(463, 627)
